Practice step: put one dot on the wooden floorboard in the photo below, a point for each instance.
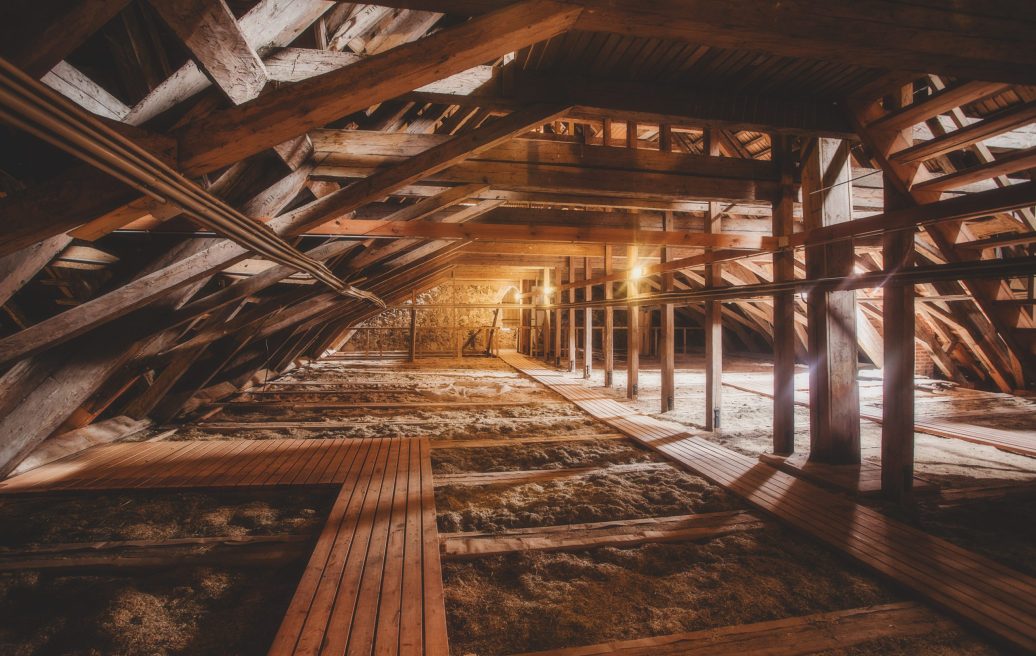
(198, 464)
(795, 636)
(987, 594)
(373, 584)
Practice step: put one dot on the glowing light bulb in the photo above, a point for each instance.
(636, 273)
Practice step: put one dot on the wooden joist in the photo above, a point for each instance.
(541, 475)
(794, 636)
(520, 441)
(123, 555)
(621, 533)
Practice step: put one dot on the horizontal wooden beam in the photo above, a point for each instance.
(552, 178)
(367, 148)
(528, 233)
(969, 39)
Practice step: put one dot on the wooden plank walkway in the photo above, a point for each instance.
(1019, 442)
(374, 582)
(795, 636)
(197, 464)
(989, 595)
(863, 479)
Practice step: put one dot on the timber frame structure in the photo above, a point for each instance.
(199, 194)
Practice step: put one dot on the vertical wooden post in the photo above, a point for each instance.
(897, 427)
(588, 321)
(413, 325)
(608, 337)
(631, 134)
(713, 316)
(632, 326)
(557, 324)
(834, 402)
(547, 345)
(606, 133)
(571, 315)
(458, 343)
(784, 304)
(668, 345)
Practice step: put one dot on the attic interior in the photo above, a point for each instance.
(554, 327)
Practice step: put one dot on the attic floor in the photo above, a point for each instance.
(527, 600)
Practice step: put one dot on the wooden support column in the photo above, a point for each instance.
(458, 342)
(557, 324)
(713, 315)
(548, 345)
(608, 337)
(571, 316)
(834, 402)
(668, 345)
(412, 348)
(784, 304)
(588, 321)
(632, 325)
(897, 427)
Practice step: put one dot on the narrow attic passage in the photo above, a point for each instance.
(557, 327)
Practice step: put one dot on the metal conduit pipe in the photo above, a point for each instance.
(30, 106)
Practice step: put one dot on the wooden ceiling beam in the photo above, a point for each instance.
(270, 24)
(552, 179)
(359, 147)
(527, 233)
(211, 33)
(232, 134)
(971, 39)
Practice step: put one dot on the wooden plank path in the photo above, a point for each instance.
(1019, 442)
(374, 582)
(795, 636)
(197, 464)
(989, 595)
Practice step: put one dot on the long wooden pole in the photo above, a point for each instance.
(713, 318)
(668, 345)
(571, 316)
(608, 338)
(632, 327)
(588, 322)
(413, 326)
(784, 307)
(897, 427)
